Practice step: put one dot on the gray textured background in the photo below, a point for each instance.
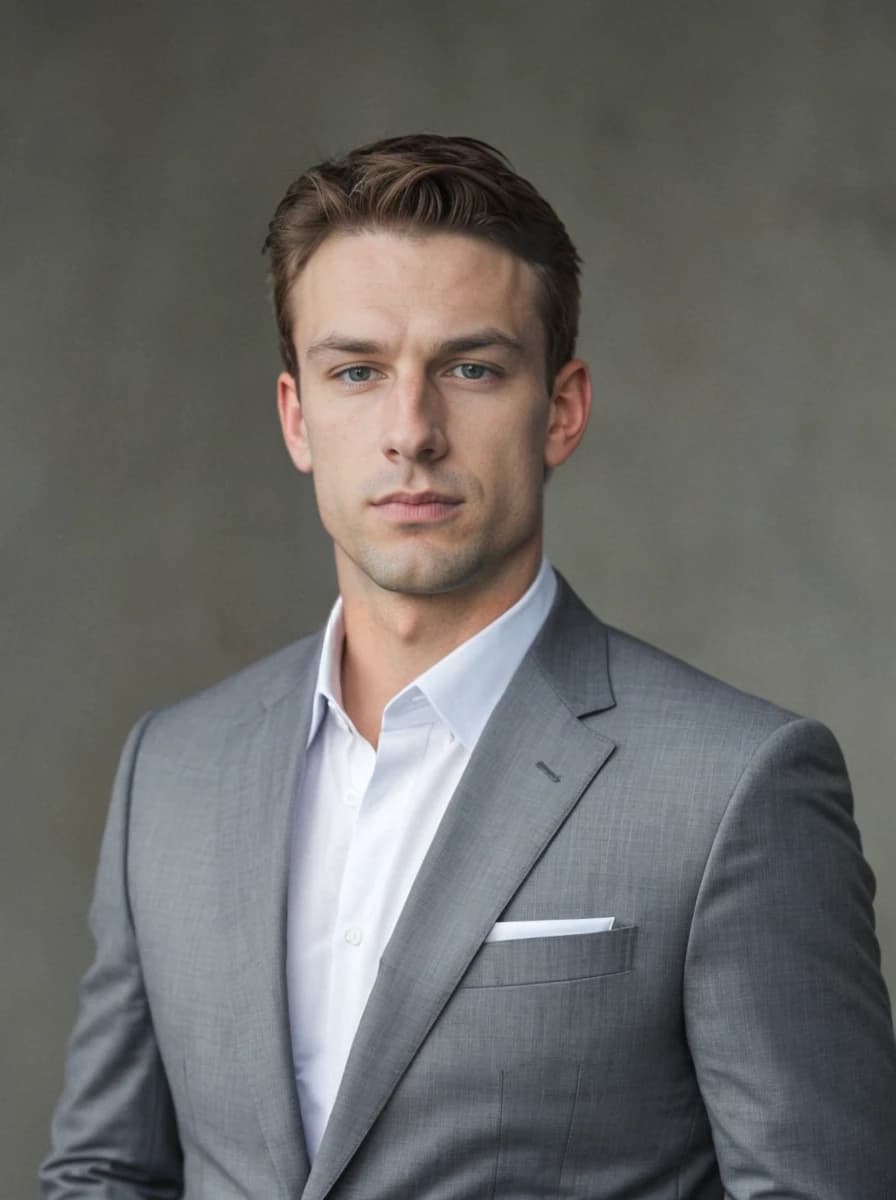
(728, 173)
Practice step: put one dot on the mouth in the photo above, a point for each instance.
(416, 507)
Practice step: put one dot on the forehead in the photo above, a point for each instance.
(387, 284)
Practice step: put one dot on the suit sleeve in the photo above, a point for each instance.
(787, 1013)
(114, 1134)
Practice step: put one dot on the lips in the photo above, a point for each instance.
(416, 507)
(415, 498)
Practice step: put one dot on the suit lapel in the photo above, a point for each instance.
(265, 769)
(533, 762)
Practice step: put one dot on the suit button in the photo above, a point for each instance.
(353, 936)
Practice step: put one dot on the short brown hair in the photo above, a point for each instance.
(426, 181)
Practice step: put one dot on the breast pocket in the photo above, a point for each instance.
(553, 959)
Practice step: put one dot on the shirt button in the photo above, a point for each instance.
(353, 936)
(352, 799)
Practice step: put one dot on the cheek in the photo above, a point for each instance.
(333, 452)
(517, 457)
(515, 481)
(511, 435)
(339, 471)
(326, 475)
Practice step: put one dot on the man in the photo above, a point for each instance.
(468, 896)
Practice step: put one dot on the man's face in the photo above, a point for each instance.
(422, 409)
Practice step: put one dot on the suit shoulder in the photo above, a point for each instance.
(205, 720)
(668, 689)
(715, 730)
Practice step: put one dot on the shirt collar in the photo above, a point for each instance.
(464, 686)
(328, 689)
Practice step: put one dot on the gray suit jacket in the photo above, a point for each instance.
(731, 1034)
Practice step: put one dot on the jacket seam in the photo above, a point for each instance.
(142, 726)
(748, 765)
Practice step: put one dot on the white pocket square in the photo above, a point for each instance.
(510, 931)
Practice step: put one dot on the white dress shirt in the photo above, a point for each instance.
(364, 821)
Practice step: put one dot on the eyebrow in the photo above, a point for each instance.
(479, 339)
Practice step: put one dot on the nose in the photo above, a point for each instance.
(414, 422)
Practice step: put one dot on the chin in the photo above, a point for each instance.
(427, 574)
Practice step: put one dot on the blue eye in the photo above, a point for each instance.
(474, 372)
(355, 374)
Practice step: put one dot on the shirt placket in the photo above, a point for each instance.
(348, 959)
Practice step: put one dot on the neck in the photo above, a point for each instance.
(391, 638)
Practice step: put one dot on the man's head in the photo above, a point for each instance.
(416, 321)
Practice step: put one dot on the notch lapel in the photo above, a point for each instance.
(266, 767)
(533, 762)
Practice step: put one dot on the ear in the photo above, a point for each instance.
(568, 413)
(292, 421)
